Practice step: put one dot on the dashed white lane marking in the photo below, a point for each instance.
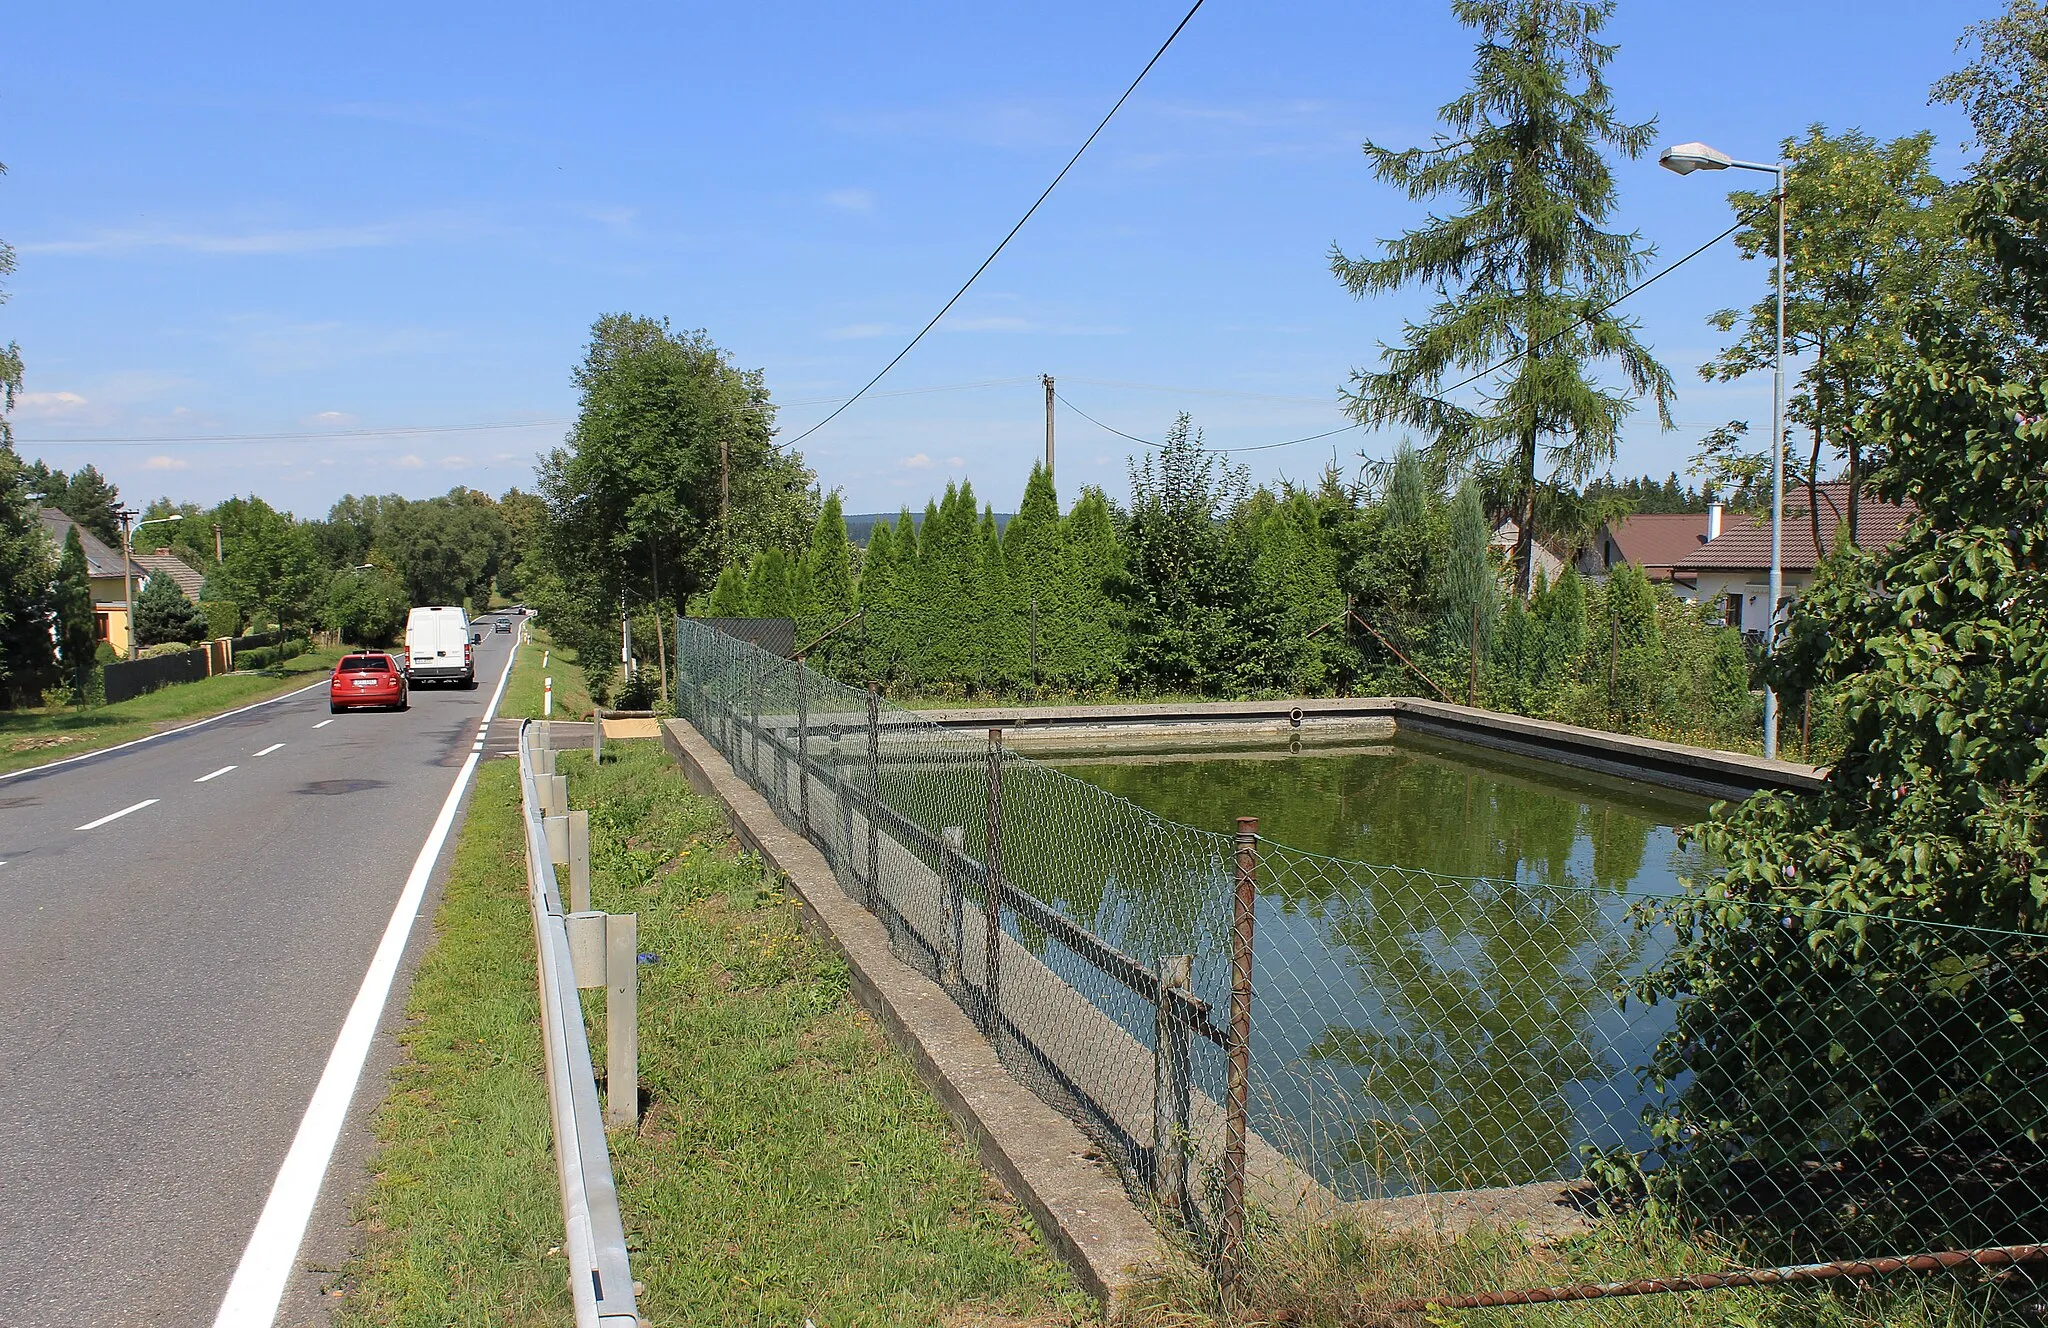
(152, 737)
(323, 723)
(271, 748)
(273, 1249)
(115, 816)
(216, 774)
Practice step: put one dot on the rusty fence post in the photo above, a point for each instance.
(1237, 1085)
(803, 752)
(874, 793)
(1170, 1097)
(992, 898)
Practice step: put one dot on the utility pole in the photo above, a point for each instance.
(128, 578)
(218, 556)
(1047, 380)
(724, 501)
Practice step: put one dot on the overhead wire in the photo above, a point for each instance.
(1494, 368)
(997, 251)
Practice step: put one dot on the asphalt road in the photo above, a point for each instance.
(172, 982)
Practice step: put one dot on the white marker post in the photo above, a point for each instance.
(547, 697)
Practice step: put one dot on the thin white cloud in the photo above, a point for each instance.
(955, 463)
(408, 462)
(918, 461)
(331, 418)
(852, 200)
(456, 462)
(166, 463)
(108, 242)
(858, 332)
(50, 405)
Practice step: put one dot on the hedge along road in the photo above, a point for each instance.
(196, 934)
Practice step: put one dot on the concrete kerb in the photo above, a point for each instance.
(1051, 1167)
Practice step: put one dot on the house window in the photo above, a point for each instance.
(99, 625)
(1607, 558)
(1731, 610)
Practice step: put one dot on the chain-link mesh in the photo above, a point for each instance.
(1426, 1052)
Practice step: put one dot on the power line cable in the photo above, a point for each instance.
(1494, 368)
(993, 254)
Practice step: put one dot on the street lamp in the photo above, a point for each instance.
(1684, 159)
(128, 563)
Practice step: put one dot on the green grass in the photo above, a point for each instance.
(1340, 1273)
(32, 737)
(523, 692)
(790, 1165)
(463, 1218)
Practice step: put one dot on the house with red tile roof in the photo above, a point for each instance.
(1733, 569)
(1653, 541)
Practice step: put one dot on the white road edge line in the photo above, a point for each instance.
(273, 1249)
(216, 774)
(323, 723)
(115, 816)
(271, 748)
(152, 737)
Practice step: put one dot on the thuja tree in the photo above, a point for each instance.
(1525, 274)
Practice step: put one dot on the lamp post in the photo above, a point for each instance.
(1684, 159)
(128, 563)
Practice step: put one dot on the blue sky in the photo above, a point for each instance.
(280, 219)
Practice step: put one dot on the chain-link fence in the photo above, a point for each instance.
(1426, 1054)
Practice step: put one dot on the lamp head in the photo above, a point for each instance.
(1689, 157)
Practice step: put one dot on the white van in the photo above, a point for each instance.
(438, 647)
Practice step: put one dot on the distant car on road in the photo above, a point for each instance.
(371, 678)
(504, 625)
(438, 645)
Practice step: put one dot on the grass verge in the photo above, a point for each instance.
(523, 692)
(789, 1165)
(35, 736)
(1341, 1273)
(463, 1220)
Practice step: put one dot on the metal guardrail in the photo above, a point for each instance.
(600, 1275)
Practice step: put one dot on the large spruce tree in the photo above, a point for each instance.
(1525, 272)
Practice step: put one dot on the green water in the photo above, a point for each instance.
(1437, 967)
(1441, 807)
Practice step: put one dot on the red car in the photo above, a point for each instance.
(372, 678)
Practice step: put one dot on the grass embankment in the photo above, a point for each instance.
(1338, 1275)
(523, 692)
(789, 1164)
(32, 737)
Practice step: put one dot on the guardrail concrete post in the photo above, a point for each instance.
(587, 948)
(578, 834)
(558, 794)
(1170, 1096)
(556, 828)
(622, 1019)
(992, 900)
(953, 847)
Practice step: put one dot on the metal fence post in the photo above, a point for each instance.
(953, 847)
(874, 791)
(1170, 1096)
(579, 861)
(622, 1019)
(1230, 1263)
(803, 752)
(596, 737)
(992, 899)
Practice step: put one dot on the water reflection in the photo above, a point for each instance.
(1451, 1032)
